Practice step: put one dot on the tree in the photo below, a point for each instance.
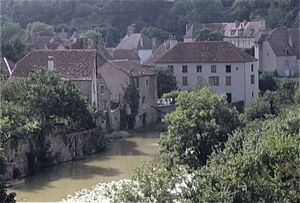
(38, 27)
(200, 123)
(166, 81)
(207, 34)
(268, 81)
(131, 97)
(153, 32)
(201, 82)
(288, 89)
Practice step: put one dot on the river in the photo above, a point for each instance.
(114, 164)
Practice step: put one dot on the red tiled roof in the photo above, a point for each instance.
(205, 52)
(279, 41)
(73, 64)
(119, 54)
(160, 51)
(131, 68)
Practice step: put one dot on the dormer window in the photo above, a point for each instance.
(232, 32)
(241, 31)
(251, 31)
(287, 51)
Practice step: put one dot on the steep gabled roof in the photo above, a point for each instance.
(279, 41)
(205, 52)
(73, 64)
(119, 54)
(132, 69)
(160, 51)
(135, 41)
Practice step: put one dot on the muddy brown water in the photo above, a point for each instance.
(114, 164)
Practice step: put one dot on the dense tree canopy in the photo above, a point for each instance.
(166, 81)
(200, 124)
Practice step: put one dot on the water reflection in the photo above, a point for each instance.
(114, 164)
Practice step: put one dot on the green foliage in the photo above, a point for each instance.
(207, 34)
(131, 97)
(42, 97)
(173, 94)
(263, 107)
(38, 27)
(250, 51)
(288, 90)
(12, 41)
(201, 82)
(200, 123)
(260, 163)
(166, 81)
(153, 32)
(268, 81)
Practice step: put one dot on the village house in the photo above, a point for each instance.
(118, 73)
(138, 42)
(228, 69)
(241, 34)
(81, 66)
(279, 50)
(121, 54)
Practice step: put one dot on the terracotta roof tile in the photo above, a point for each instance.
(73, 64)
(279, 41)
(119, 54)
(131, 68)
(205, 52)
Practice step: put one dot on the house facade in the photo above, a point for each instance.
(228, 69)
(279, 50)
(138, 42)
(241, 34)
(118, 73)
(81, 66)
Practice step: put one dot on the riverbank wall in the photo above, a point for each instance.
(55, 146)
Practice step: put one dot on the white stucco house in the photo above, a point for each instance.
(241, 34)
(229, 70)
(279, 50)
(138, 42)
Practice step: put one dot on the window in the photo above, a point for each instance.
(102, 89)
(287, 63)
(184, 69)
(214, 80)
(147, 82)
(137, 82)
(228, 69)
(213, 69)
(184, 80)
(171, 69)
(252, 67)
(228, 80)
(228, 97)
(252, 79)
(252, 94)
(199, 69)
(104, 105)
(143, 99)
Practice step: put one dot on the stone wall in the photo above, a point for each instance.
(63, 147)
(162, 110)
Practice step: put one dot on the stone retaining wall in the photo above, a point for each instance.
(63, 147)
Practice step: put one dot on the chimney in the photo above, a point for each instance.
(173, 42)
(237, 23)
(130, 29)
(290, 40)
(50, 63)
(245, 22)
(187, 27)
(262, 24)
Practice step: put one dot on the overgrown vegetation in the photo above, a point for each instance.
(21, 19)
(131, 98)
(166, 81)
(259, 160)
